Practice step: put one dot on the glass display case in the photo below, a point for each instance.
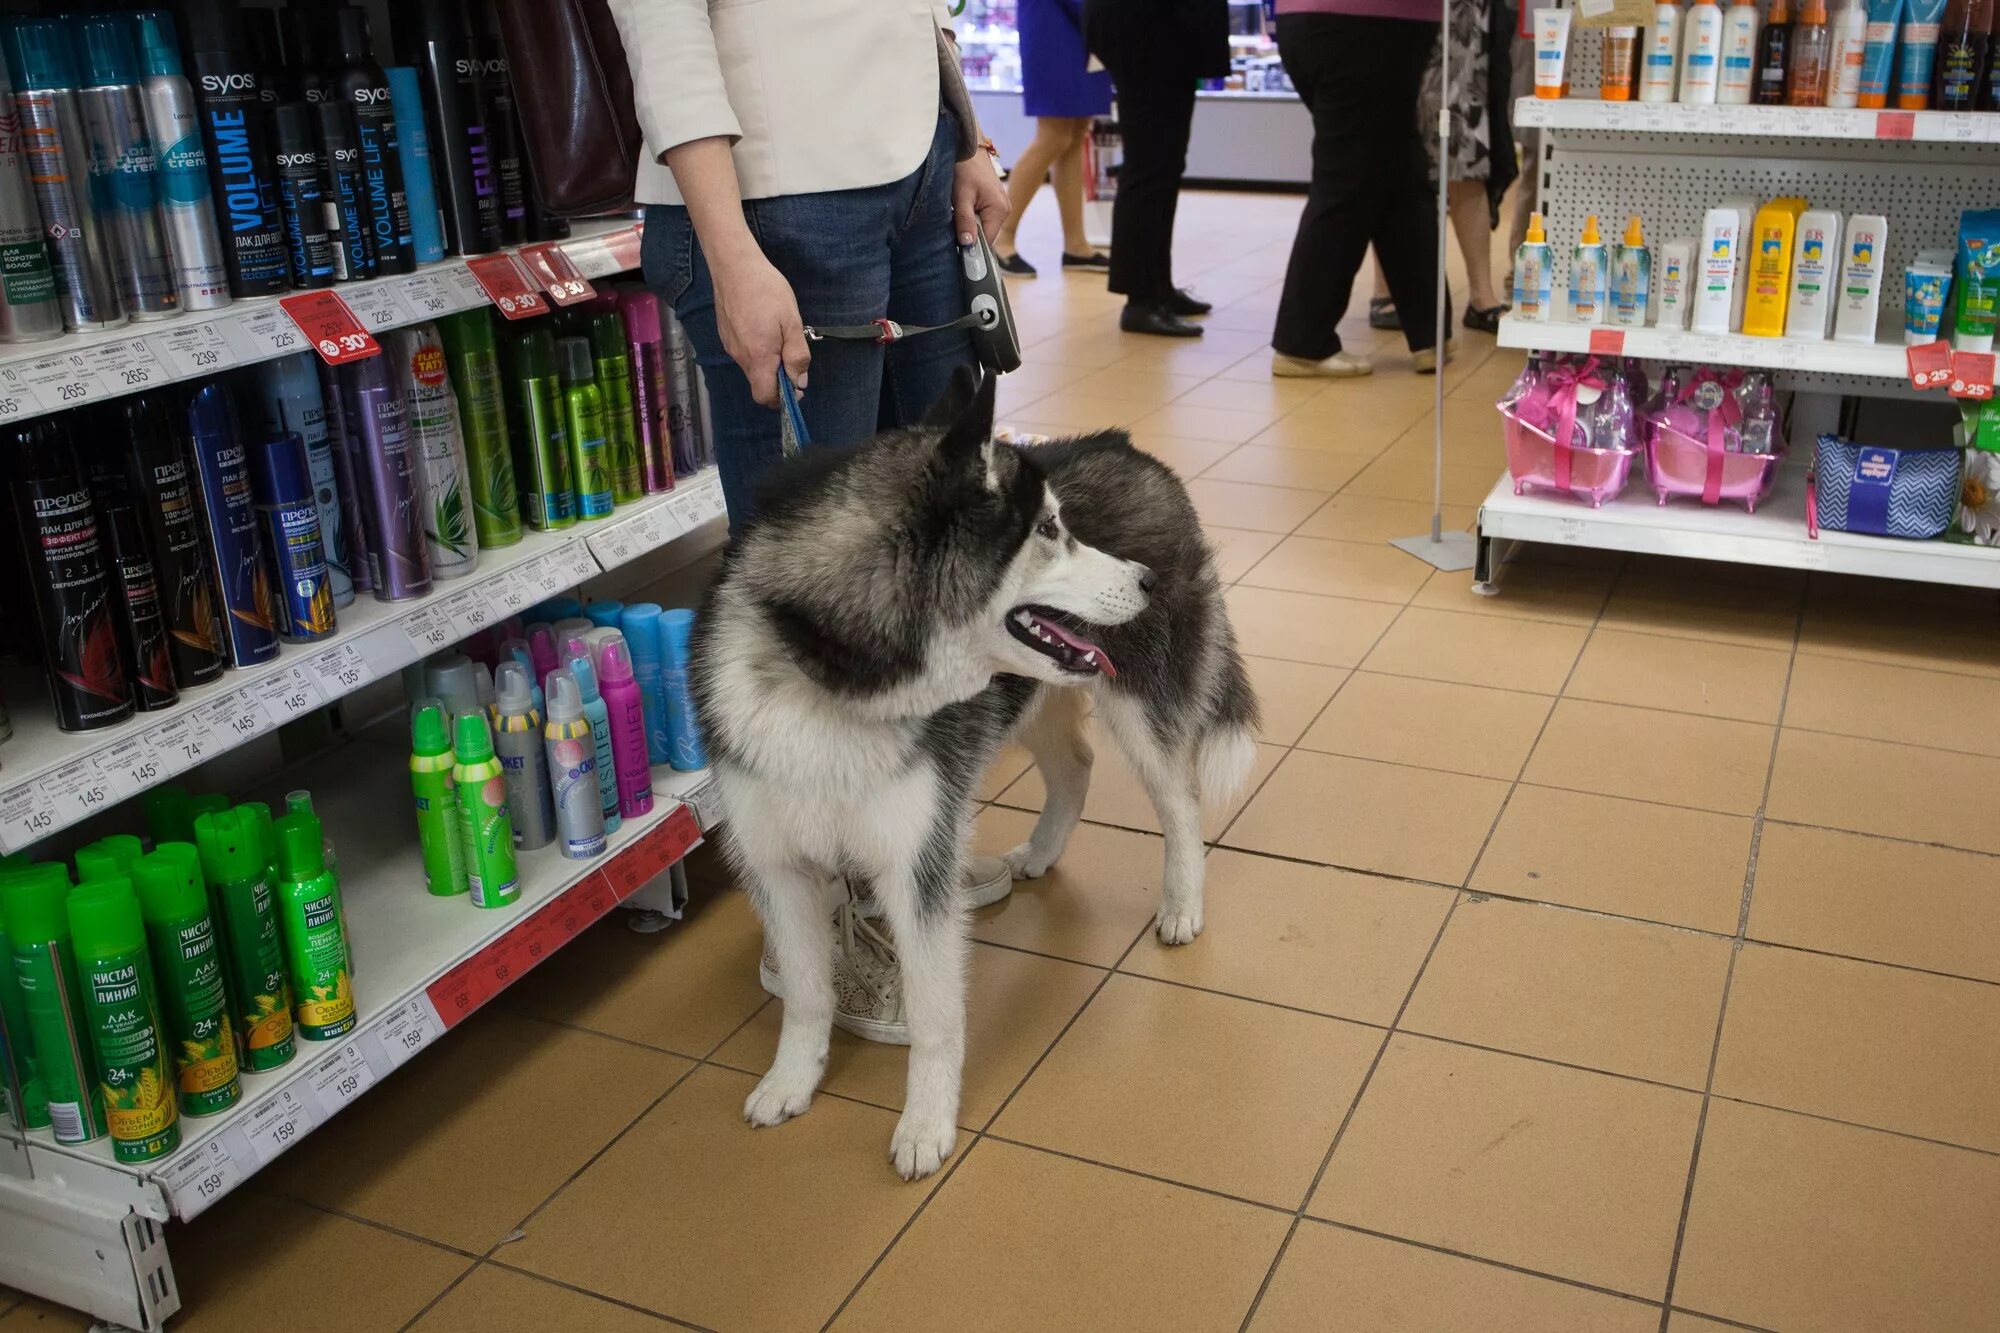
(989, 42)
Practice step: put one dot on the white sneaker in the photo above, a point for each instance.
(867, 982)
(1426, 361)
(1339, 366)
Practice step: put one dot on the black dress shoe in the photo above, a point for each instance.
(1015, 266)
(1179, 301)
(1094, 262)
(1157, 320)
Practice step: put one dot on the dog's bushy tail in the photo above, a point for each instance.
(1223, 759)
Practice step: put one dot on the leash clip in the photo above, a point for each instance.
(892, 332)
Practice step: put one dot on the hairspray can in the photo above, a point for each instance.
(614, 381)
(359, 82)
(346, 203)
(222, 463)
(640, 623)
(474, 362)
(145, 439)
(572, 758)
(683, 728)
(239, 149)
(413, 144)
(438, 832)
(125, 170)
(34, 899)
(69, 575)
(583, 423)
(535, 422)
(282, 477)
(291, 401)
(349, 543)
(387, 481)
(647, 351)
(58, 152)
(582, 666)
(29, 311)
(307, 36)
(185, 205)
(683, 405)
(439, 44)
(524, 762)
(503, 125)
(483, 819)
(448, 525)
(143, 641)
(628, 728)
(302, 197)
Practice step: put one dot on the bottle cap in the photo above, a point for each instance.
(557, 608)
(451, 681)
(676, 633)
(641, 311)
(428, 733)
(294, 124)
(603, 613)
(333, 125)
(170, 814)
(299, 802)
(570, 627)
(108, 58)
(607, 330)
(169, 884)
(1535, 232)
(578, 367)
(1590, 236)
(350, 27)
(230, 846)
(258, 816)
(303, 27)
(578, 661)
(260, 37)
(542, 648)
(482, 684)
(213, 25)
(512, 696)
(104, 919)
(641, 624)
(208, 803)
(532, 354)
(475, 742)
(95, 861)
(565, 697)
(1634, 233)
(159, 47)
(40, 54)
(301, 849)
(33, 901)
(615, 662)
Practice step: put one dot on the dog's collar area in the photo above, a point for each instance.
(1069, 650)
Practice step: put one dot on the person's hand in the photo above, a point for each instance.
(978, 200)
(759, 320)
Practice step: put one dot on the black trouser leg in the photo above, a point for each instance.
(1155, 116)
(1370, 183)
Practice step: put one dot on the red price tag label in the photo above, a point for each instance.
(1972, 375)
(1607, 342)
(1930, 364)
(625, 245)
(1895, 124)
(661, 846)
(330, 327)
(460, 992)
(559, 278)
(507, 285)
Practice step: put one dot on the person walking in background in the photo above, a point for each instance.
(1358, 65)
(1156, 50)
(1063, 93)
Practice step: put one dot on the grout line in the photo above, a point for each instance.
(1482, 1259)
(1208, 1190)
(594, 1295)
(1718, 1319)
(1856, 1124)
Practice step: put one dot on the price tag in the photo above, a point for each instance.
(460, 992)
(428, 297)
(79, 790)
(409, 1029)
(342, 1077)
(199, 1179)
(429, 629)
(287, 695)
(1930, 364)
(559, 278)
(17, 398)
(234, 718)
(384, 648)
(198, 349)
(272, 333)
(1571, 530)
(1607, 342)
(550, 576)
(127, 367)
(469, 611)
(340, 670)
(379, 306)
(510, 592)
(25, 815)
(1895, 124)
(329, 327)
(64, 380)
(578, 563)
(707, 800)
(469, 292)
(130, 766)
(652, 852)
(278, 1122)
(507, 285)
(179, 744)
(614, 546)
(1972, 375)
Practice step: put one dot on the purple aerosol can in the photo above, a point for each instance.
(646, 349)
(389, 487)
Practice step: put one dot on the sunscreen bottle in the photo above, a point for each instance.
(1660, 66)
(1739, 54)
(1814, 252)
(1533, 276)
(1676, 279)
(1771, 239)
(1848, 44)
(1631, 278)
(1587, 276)
(1858, 301)
(1701, 49)
(1715, 280)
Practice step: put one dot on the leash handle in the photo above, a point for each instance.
(792, 433)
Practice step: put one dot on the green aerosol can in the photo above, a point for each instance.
(535, 426)
(44, 965)
(173, 899)
(474, 361)
(27, 1100)
(440, 835)
(310, 918)
(484, 824)
(121, 1006)
(236, 862)
(583, 420)
(621, 425)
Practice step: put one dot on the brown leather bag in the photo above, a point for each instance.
(583, 137)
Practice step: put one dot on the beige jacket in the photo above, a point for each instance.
(817, 94)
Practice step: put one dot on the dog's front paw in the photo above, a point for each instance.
(921, 1143)
(782, 1094)
(1178, 927)
(1025, 863)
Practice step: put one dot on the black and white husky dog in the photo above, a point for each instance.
(895, 615)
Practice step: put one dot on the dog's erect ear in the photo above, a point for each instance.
(968, 434)
(956, 398)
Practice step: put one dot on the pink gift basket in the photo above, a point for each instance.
(1570, 428)
(1703, 440)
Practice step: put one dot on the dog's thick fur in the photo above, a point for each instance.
(863, 655)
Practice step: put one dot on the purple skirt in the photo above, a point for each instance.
(1054, 76)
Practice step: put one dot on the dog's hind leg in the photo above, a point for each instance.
(1171, 777)
(1054, 735)
(790, 897)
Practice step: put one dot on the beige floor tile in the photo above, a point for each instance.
(1529, 590)
(1620, 996)
(1296, 626)
(1314, 938)
(1946, 710)
(1880, 1046)
(1479, 650)
(1902, 623)
(1289, 695)
(1333, 1278)
(1819, 889)
(1687, 675)
(1001, 773)
(1236, 550)
(1350, 431)
(685, 990)
(1117, 798)
(497, 1300)
(492, 1075)
(1189, 458)
(1368, 518)
(1409, 474)
(1340, 569)
(1202, 1089)
(1631, 858)
(1237, 395)
(1019, 1239)
(1078, 408)
(1799, 1223)
(1307, 469)
(1189, 421)
(1897, 791)
(1558, 1170)
(1239, 504)
(255, 1254)
(1701, 762)
(1016, 1005)
(1135, 384)
(1682, 1322)
(717, 1193)
(1368, 816)
(33, 1316)
(1091, 904)
(1431, 724)
(1679, 607)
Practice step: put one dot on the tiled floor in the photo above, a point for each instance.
(1622, 952)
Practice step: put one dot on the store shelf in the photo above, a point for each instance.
(1774, 536)
(53, 778)
(80, 368)
(422, 964)
(1882, 360)
(1760, 122)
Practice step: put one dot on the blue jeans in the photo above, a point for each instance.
(851, 256)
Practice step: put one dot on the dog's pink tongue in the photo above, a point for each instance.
(1079, 645)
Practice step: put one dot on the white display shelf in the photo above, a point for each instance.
(79, 368)
(1761, 122)
(53, 779)
(1775, 535)
(1877, 360)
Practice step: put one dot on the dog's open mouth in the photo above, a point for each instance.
(1069, 650)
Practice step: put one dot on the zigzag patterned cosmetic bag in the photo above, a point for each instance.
(1881, 492)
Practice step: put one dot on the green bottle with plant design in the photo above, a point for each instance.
(449, 530)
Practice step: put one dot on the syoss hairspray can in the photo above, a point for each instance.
(229, 503)
(291, 401)
(58, 153)
(387, 479)
(239, 150)
(125, 170)
(351, 541)
(282, 480)
(503, 124)
(413, 145)
(345, 194)
(448, 520)
(439, 44)
(186, 209)
(302, 197)
(29, 311)
(474, 359)
(147, 436)
(360, 83)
